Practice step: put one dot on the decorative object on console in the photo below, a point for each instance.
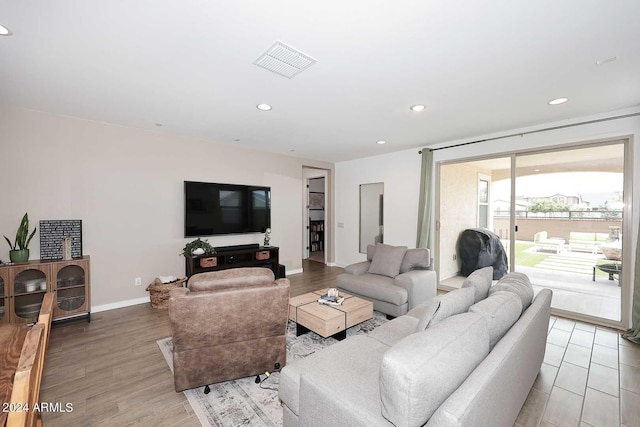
(267, 237)
(19, 250)
(52, 239)
(66, 248)
(198, 247)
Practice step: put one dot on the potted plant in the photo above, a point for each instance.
(19, 250)
(198, 247)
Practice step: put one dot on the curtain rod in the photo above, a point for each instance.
(535, 131)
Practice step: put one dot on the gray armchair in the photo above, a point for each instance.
(394, 278)
(228, 324)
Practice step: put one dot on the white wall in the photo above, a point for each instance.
(126, 185)
(400, 173)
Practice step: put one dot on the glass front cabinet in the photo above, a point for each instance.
(28, 282)
(22, 289)
(71, 281)
(4, 296)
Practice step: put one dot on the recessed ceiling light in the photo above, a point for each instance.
(558, 101)
(381, 142)
(417, 108)
(536, 170)
(263, 107)
(159, 125)
(4, 31)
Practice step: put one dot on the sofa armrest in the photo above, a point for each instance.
(420, 285)
(358, 268)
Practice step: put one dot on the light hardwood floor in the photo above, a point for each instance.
(113, 373)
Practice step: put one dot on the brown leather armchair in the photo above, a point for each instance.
(228, 324)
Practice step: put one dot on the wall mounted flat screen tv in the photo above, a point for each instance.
(212, 209)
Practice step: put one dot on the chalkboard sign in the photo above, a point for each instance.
(52, 234)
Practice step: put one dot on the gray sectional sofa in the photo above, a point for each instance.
(394, 278)
(467, 358)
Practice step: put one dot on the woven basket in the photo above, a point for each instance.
(159, 292)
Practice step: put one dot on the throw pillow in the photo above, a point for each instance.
(424, 312)
(517, 283)
(480, 280)
(454, 302)
(501, 310)
(439, 308)
(387, 260)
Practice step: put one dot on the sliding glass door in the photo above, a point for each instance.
(569, 220)
(559, 213)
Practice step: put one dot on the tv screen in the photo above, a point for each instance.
(212, 209)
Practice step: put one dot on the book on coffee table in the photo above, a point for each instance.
(324, 299)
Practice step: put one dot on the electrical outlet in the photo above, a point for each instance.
(138, 281)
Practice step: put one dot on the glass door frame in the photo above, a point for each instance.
(627, 228)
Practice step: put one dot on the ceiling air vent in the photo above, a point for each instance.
(284, 60)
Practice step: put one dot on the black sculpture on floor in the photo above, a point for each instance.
(479, 248)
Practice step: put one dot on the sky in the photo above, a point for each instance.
(596, 184)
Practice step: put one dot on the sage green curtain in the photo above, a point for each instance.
(633, 334)
(425, 205)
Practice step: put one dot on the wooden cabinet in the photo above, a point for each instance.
(71, 281)
(24, 285)
(4, 296)
(27, 285)
(258, 256)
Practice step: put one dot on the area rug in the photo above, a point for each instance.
(242, 401)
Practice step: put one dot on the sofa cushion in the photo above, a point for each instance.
(518, 283)
(391, 332)
(439, 308)
(501, 310)
(373, 286)
(415, 259)
(420, 372)
(387, 260)
(480, 280)
(354, 356)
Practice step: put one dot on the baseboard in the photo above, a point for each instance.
(119, 304)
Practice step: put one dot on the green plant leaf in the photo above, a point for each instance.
(9, 242)
(30, 237)
(22, 235)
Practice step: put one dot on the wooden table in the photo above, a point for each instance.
(328, 320)
(11, 339)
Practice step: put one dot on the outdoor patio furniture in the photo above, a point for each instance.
(611, 268)
(586, 241)
(542, 242)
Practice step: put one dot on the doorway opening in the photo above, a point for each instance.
(315, 219)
